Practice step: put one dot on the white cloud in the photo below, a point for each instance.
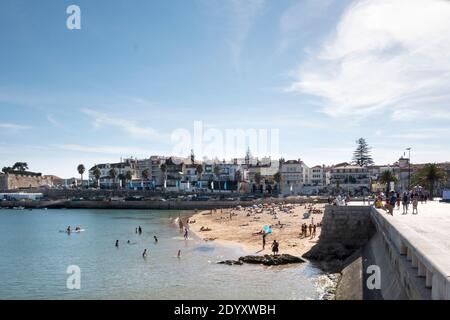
(383, 55)
(128, 126)
(12, 127)
(111, 150)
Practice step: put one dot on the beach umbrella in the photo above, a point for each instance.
(267, 229)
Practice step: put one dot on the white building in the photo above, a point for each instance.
(121, 169)
(294, 176)
(350, 178)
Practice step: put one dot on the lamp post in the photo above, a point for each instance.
(409, 167)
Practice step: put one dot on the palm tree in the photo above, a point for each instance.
(97, 175)
(258, 179)
(386, 178)
(199, 170)
(128, 176)
(429, 176)
(81, 169)
(113, 174)
(277, 177)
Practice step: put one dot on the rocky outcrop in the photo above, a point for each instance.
(271, 260)
(267, 260)
(231, 262)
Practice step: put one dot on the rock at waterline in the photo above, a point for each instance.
(271, 260)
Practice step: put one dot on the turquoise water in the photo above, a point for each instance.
(34, 257)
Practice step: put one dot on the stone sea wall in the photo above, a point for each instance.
(345, 229)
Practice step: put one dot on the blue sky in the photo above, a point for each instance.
(323, 73)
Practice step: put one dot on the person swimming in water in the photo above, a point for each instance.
(140, 230)
(186, 233)
(117, 243)
(156, 239)
(128, 242)
(68, 229)
(77, 228)
(144, 254)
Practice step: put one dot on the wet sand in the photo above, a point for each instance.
(239, 226)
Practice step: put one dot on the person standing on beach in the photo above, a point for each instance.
(264, 240)
(275, 247)
(314, 231)
(310, 229)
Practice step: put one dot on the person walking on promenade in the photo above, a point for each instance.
(405, 202)
(391, 203)
(398, 200)
(275, 246)
(415, 202)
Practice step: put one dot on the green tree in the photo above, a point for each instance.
(386, 178)
(277, 177)
(362, 156)
(258, 179)
(113, 174)
(430, 175)
(20, 166)
(145, 174)
(81, 169)
(128, 175)
(97, 174)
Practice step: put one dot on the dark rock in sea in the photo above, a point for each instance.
(231, 262)
(271, 260)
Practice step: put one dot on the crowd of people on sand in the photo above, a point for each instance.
(275, 210)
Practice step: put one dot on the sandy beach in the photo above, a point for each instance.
(241, 225)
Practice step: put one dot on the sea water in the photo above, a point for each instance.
(35, 256)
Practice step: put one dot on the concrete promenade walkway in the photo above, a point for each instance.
(424, 238)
